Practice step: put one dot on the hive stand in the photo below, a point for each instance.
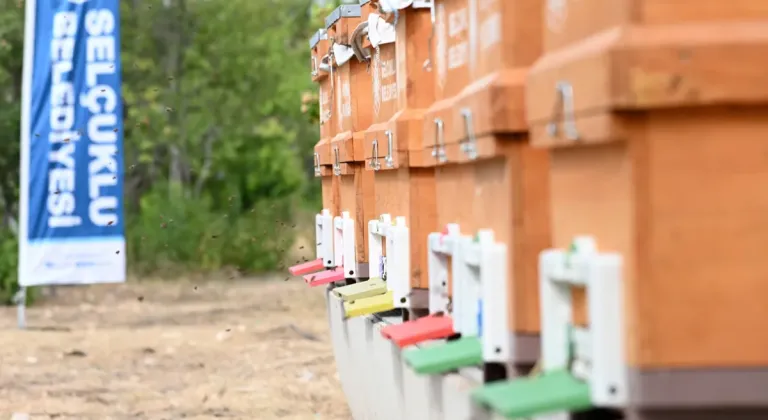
(479, 297)
(371, 296)
(582, 367)
(345, 248)
(392, 271)
(654, 113)
(374, 296)
(439, 324)
(400, 95)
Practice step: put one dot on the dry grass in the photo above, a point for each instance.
(239, 350)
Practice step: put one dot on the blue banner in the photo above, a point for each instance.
(71, 212)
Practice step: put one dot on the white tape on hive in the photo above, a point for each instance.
(342, 53)
(379, 31)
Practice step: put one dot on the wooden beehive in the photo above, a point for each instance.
(401, 93)
(654, 114)
(449, 63)
(321, 69)
(510, 178)
(353, 101)
(447, 66)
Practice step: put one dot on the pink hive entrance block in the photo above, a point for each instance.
(325, 277)
(423, 329)
(306, 268)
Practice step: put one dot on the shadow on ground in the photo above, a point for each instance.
(251, 349)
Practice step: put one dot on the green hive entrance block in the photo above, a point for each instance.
(464, 352)
(551, 392)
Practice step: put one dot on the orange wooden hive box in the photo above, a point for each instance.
(429, 154)
(449, 73)
(654, 112)
(447, 66)
(509, 181)
(401, 92)
(321, 69)
(353, 99)
(477, 135)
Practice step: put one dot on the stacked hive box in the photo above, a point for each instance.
(654, 162)
(321, 68)
(632, 145)
(652, 111)
(352, 117)
(429, 153)
(490, 178)
(399, 41)
(510, 177)
(449, 65)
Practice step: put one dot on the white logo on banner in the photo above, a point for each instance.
(556, 14)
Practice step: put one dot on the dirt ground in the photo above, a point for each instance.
(246, 349)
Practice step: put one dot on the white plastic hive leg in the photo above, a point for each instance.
(606, 315)
(346, 251)
(494, 326)
(319, 235)
(399, 263)
(440, 247)
(338, 241)
(324, 232)
(466, 282)
(376, 233)
(598, 349)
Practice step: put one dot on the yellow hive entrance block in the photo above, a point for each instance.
(371, 305)
(362, 290)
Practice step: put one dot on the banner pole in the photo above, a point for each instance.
(21, 307)
(30, 19)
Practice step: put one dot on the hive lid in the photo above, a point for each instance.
(345, 10)
(320, 34)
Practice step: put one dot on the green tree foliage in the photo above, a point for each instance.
(217, 144)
